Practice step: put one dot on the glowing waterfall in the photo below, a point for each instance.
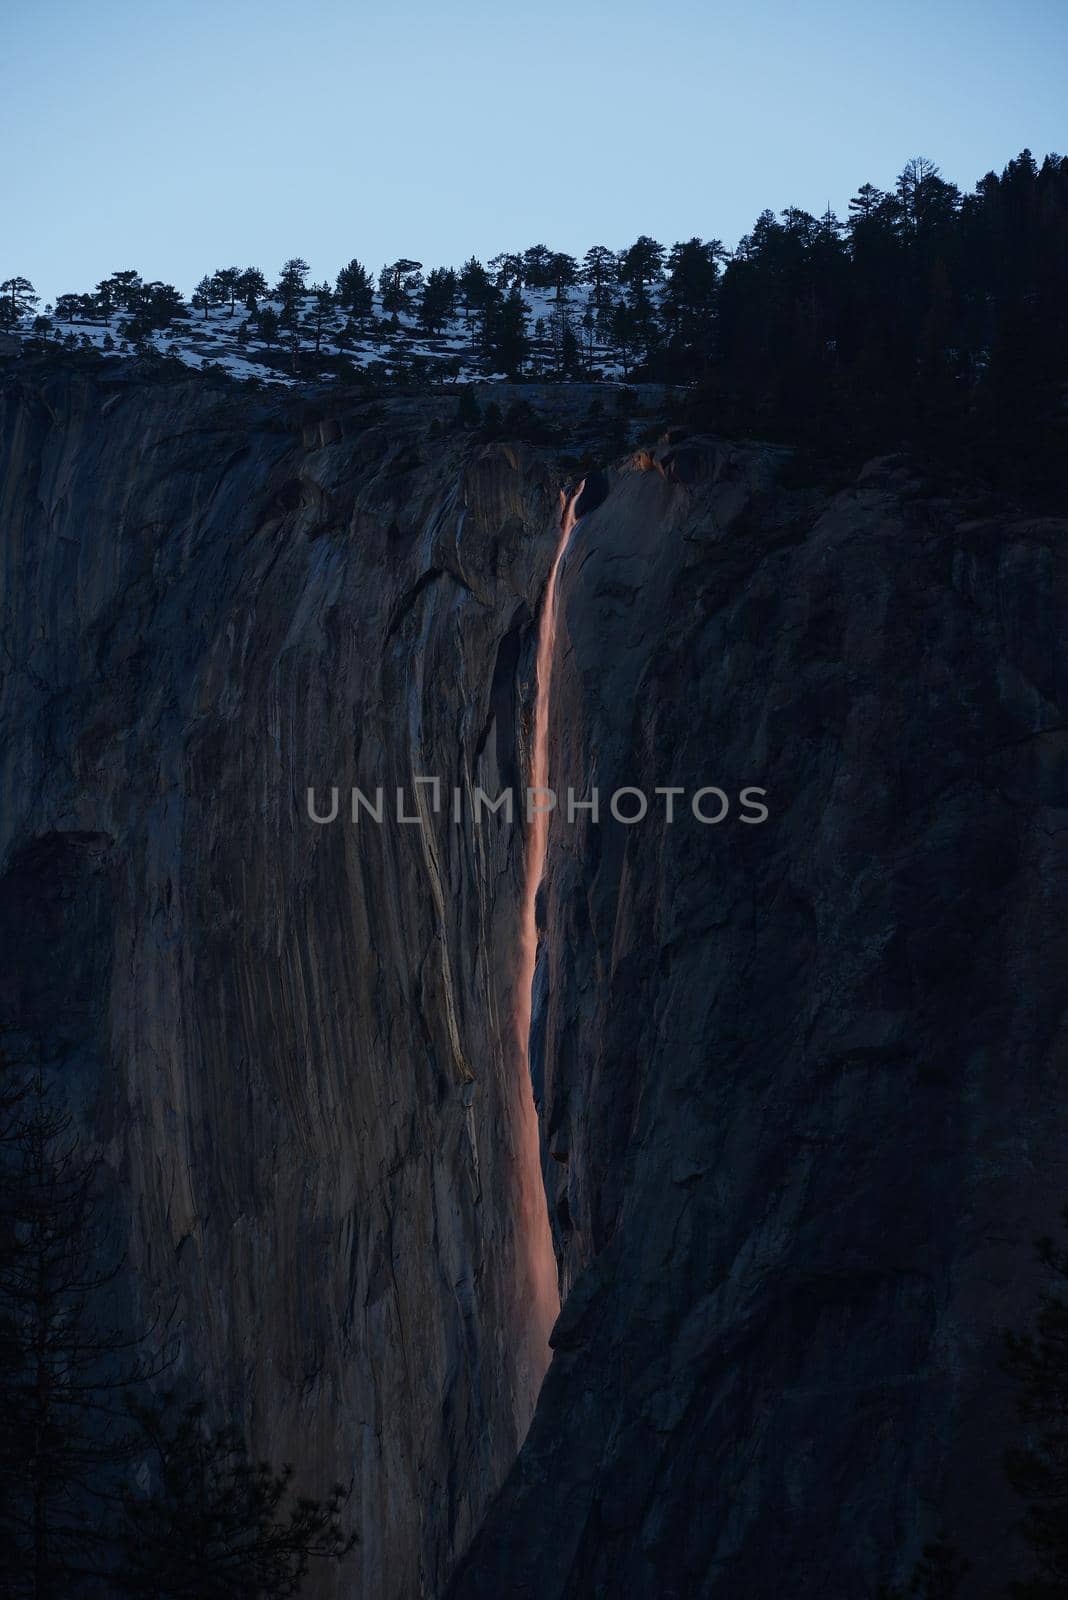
(534, 1220)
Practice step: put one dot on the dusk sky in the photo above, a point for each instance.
(177, 138)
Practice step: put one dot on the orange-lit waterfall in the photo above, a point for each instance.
(534, 1220)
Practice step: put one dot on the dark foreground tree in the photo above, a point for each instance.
(1037, 1469)
(65, 1363)
(102, 1490)
(215, 1525)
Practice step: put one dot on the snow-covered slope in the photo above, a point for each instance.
(389, 345)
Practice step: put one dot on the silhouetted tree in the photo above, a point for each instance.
(504, 338)
(474, 286)
(439, 299)
(203, 296)
(224, 286)
(398, 285)
(126, 288)
(642, 264)
(267, 324)
(64, 1363)
(563, 273)
(322, 307)
(1037, 1468)
(600, 269)
(291, 280)
(251, 286)
(508, 270)
(213, 1524)
(537, 268)
(17, 299)
(355, 289)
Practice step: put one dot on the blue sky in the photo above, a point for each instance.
(177, 138)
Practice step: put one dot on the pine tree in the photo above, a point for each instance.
(251, 286)
(509, 270)
(563, 272)
(537, 270)
(645, 324)
(504, 336)
(126, 286)
(642, 264)
(291, 280)
(439, 299)
(161, 304)
(600, 270)
(224, 285)
(398, 284)
(322, 307)
(17, 300)
(563, 341)
(589, 331)
(105, 300)
(356, 289)
(64, 1365)
(475, 287)
(203, 296)
(688, 304)
(624, 336)
(214, 1525)
(267, 323)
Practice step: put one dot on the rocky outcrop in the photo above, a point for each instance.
(799, 1081)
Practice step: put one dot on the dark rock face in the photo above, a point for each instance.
(804, 1097)
(801, 1083)
(293, 1041)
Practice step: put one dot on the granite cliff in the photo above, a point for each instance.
(799, 1083)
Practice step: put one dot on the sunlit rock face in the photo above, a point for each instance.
(800, 1082)
(804, 1102)
(296, 1041)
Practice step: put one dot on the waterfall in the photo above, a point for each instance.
(534, 1220)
